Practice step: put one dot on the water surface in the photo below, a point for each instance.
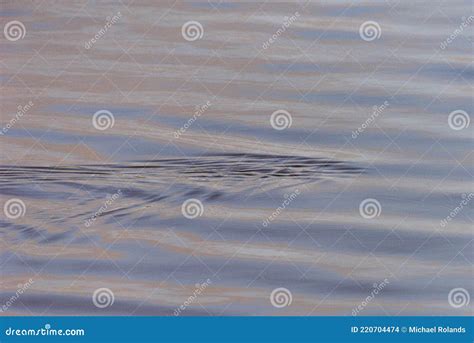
(192, 120)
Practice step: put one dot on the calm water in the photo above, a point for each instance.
(187, 195)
